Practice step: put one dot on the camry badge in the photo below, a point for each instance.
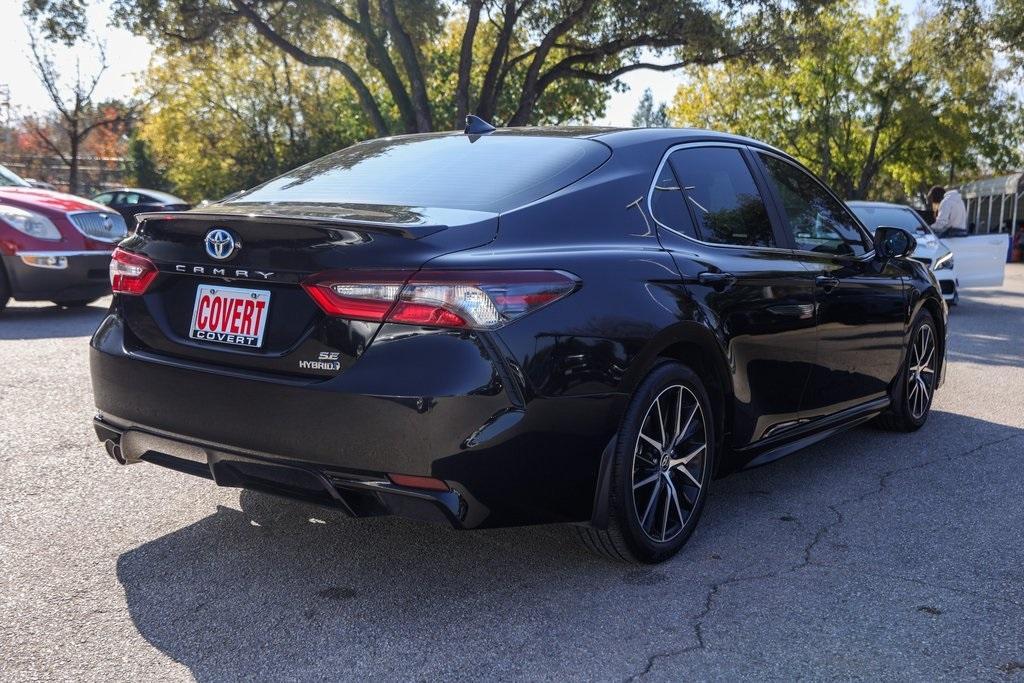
(221, 244)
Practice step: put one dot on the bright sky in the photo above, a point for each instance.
(128, 55)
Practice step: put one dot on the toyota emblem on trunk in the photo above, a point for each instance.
(221, 244)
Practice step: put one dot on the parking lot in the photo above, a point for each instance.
(871, 555)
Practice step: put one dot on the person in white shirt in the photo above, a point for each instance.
(949, 208)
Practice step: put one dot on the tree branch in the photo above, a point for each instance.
(366, 99)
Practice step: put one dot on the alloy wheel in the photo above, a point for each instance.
(921, 372)
(669, 458)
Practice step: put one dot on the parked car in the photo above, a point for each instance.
(958, 259)
(514, 326)
(53, 246)
(131, 201)
(980, 259)
(930, 250)
(41, 184)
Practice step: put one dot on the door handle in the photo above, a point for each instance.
(717, 281)
(826, 282)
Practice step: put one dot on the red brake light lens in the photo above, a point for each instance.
(485, 299)
(357, 295)
(130, 273)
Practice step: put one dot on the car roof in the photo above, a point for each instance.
(155, 194)
(616, 137)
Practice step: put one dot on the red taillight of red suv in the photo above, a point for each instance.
(483, 300)
(130, 273)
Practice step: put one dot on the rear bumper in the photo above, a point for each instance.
(75, 275)
(356, 495)
(434, 405)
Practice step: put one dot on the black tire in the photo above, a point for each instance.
(75, 303)
(633, 535)
(5, 289)
(910, 408)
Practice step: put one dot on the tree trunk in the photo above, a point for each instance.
(488, 102)
(466, 63)
(73, 165)
(411, 61)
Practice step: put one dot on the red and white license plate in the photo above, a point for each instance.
(230, 315)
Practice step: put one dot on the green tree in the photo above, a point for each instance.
(509, 55)
(144, 168)
(227, 118)
(649, 116)
(871, 107)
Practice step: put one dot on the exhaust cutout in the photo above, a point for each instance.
(115, 451)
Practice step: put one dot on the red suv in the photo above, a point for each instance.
(54, 246)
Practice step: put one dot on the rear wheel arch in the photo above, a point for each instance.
(696, 347)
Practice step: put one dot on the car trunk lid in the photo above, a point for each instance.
(275, 248)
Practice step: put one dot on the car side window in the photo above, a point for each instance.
(817, 221)
(668, 206)
(105, 198)
(130, 198)
(722, 197)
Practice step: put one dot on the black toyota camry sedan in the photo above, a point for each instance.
(514, 326)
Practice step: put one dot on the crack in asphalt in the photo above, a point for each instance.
(697, 621)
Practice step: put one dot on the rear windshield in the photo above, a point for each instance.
(484, 173)
(892, 216)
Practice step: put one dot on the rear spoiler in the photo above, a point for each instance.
(413, 231)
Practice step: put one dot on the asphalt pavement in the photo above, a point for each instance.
(872, 555)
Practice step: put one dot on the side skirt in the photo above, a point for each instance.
(816, 431)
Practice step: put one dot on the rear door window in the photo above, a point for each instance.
(668, 205)
(722, 197)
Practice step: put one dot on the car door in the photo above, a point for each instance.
(711, 215)
(979, 260)
(861, 306)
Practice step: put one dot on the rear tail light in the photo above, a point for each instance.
(484, 299)
(130, 273)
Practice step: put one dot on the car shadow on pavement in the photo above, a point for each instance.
(281, 589)
(51, 322)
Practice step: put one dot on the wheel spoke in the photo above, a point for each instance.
(664, 513)
(661, 421)
(685, 460)
(683, 470)
(686, 427)
(675, 499)
(650, 504)
(646, 481)
(679, 416)
(651, 441)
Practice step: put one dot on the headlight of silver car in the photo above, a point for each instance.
(943, 262)
(29, 222)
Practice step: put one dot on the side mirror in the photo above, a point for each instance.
(893, 242)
